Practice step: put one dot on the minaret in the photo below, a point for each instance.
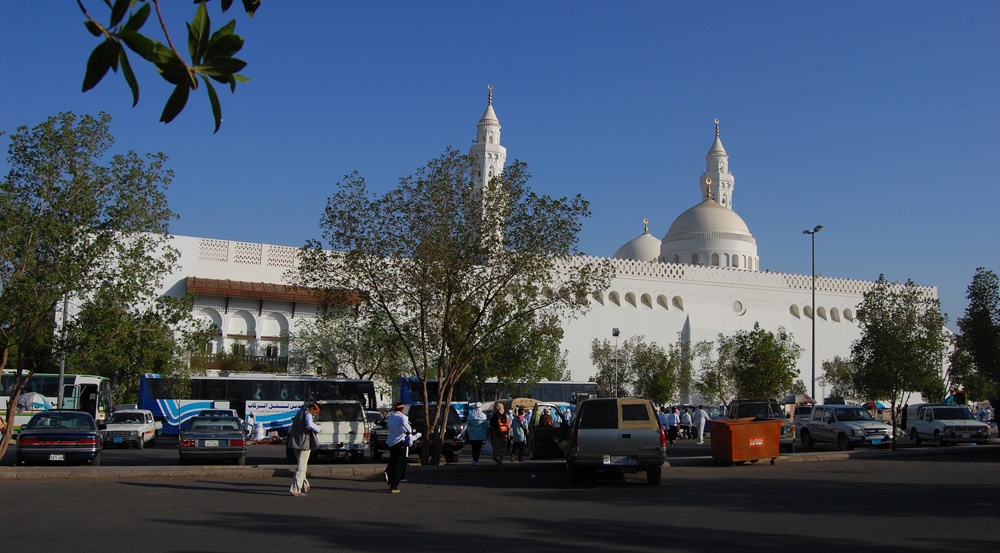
(717, 175)
(490, 155)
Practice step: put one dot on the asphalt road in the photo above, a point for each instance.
(940, 503)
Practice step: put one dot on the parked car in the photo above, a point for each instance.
(948, 424)
(768, 409)
(212, 438)
(844, 425)
(132, 428)
(454, 439)
(59, 437)
(548, 442)
(344, 431)
(619, 435)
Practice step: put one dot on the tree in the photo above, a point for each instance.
(211, 54)
(902, 343)
(451, 264)
(643, 369)
(519, 357)
(798, 387)
(70, 226)
(715, 375)
(980, 338)
(764, 364)
(962, 373)
(839, 375)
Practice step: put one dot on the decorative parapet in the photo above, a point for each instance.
(247, 253)
(731, 275)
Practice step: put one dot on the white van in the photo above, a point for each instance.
(343, 430)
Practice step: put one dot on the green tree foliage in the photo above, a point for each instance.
(518, 357)
(902, 344)
(211, 53)
(838, 373)
(798, 387)
(69, 226)
(643, 369)
(111, 338)
(715, 373)
(451, 265)
(962, 373)
(980, 338)
(758, 364)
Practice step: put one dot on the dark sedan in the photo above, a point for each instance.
(215, 438)
(60, 437)
(454, 439)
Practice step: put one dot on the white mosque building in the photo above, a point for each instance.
(701, 279)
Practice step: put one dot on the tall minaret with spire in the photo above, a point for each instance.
(490, 155)
(717, 183)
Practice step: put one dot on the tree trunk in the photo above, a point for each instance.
(892, 418)
(18, 387)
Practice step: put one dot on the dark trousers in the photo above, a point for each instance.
(397, 464)
(517, 448)
(672, 434)
(477, 447)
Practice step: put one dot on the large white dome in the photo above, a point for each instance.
(710, 234)
(708, 216)
(644, 248)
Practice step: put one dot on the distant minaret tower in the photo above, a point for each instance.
(717, 176)
(490, 155)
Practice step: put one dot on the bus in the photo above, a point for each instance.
(272, 398)
(80, 391)
(409, 390)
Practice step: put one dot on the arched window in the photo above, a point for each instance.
(821, 312)
(849, 315)
(694, 259)
(715, 259)
(744, 260)
(725, 259)
(807, 310)
(835, 314)
(661, 300)
(613, 297)
(647, 300)
(736, 261)
(794, 310)
(491, 139)
(677, 258)
(599, 298)
(678, 303)
(630, 299)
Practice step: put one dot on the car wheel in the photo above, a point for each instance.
(807, 441)
(241, 460)
(938, 440)
(140, 443)
(576, 476)
(653, 476)
(96, 461)
(449, 457)
(843, 443)
(376, 456)
(915, 437)
(357, 457)
(787, 448)
(152, 443)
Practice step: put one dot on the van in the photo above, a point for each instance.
(343, 431)
(616, 435)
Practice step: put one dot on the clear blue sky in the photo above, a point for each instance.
(878, 120)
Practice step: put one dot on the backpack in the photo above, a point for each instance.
(502, 423)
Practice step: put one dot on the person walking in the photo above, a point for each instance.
(673, 420)
(700, 420)
(399, 433)
(499, 433)
(301, 440)
(477, 428)
(686, 424)
(518, 436)
(661, 417)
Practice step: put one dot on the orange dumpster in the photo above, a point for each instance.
(749, 439)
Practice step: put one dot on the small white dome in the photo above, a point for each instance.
(644, 248)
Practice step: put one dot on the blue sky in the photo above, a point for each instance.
(878, 120)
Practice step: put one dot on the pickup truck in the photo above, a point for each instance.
(844, 425)
(616, 435)
(948, 424)
(132, 428)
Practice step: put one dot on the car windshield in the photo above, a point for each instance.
(854, 414)
(953, 413)
(340, 412)
(215, 413)
(126, 418)
(760, 409)
(214, 424)
(417, 416)
(61, 421)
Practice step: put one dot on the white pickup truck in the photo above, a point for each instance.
(947, 424)
(132, 428)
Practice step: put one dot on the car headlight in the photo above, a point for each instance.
(858, 431)
(135, 432)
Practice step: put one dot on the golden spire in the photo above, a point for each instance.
(645, 226)
(708, 183)
(489, 86)
(716, 128)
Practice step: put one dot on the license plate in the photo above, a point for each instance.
(964, 435)
(211, 443)
(876, 441)
(57, 457)
(617, 460)
(118, 440)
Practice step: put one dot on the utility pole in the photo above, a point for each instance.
(614, 332)
(62, 356)
(812, 233)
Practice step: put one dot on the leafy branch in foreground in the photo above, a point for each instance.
(211, 54)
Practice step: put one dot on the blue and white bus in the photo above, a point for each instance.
(272, 398)
(409, 390)
(80, 391)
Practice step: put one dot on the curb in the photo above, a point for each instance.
(707, 461)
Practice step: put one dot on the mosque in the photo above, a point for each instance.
(701, 279)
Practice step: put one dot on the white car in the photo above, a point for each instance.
(132, 428)
(948, 424)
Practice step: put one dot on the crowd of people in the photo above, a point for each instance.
(687, 425)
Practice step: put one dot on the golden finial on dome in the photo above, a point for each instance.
(716, 128)
(489, 86)
(708, 183)
(645, 226)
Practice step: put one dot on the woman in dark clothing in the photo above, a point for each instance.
(499, 432)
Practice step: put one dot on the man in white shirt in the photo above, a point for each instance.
(399, 429)
(700, 420)
(686, 424)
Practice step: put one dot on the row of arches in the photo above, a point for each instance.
(245, 330)
(715, 259)
(615, 299)
(833, 315)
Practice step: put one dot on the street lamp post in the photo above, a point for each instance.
(615, 333)
(812, 234)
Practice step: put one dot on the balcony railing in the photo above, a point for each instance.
(255, 362)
